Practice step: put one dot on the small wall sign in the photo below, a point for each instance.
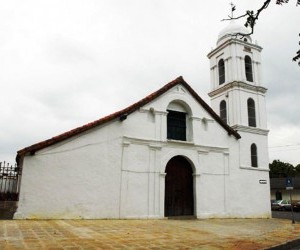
(262, 181)
(289, 182)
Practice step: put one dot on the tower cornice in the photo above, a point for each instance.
(233, 41)
(253, 130)
(238, 84)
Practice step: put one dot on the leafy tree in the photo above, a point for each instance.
(297, 168)
(281, 169)
(252, 17)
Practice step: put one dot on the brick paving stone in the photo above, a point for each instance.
(146, 234)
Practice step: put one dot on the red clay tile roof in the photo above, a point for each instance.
(38, 146)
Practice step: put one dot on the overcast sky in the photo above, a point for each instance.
(66, 63)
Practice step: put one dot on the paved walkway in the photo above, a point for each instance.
(147, 234)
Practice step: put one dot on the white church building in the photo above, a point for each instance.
(169, 154)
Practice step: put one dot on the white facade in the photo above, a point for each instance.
(237, 88)
(117, 168)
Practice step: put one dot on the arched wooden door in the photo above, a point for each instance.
(179, 198)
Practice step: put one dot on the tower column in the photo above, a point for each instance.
(238, 68)
(213, 77)
(216, 76)
(242, 69)
(258, 73)
(227, 71)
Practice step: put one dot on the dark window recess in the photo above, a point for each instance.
(176, 123)
(278, 195)
(221, 68)
(223, 111)
(253, 155)
(248, 69)
(251, 113)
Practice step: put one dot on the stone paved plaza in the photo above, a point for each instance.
(146, 234)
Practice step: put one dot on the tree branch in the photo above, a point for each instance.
(297, 57)
(252, 18)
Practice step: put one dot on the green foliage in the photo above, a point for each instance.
(297, 168)
(283, 169)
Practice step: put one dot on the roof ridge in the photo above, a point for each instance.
(126, 111)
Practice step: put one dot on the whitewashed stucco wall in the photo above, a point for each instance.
(118, 170)
(68, 180)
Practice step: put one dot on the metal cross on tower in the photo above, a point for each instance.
(232, 8)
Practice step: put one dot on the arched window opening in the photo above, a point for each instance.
(176, 125)
(179, 124)
(221, 68)
(253, 155)
(251, 113)
(248, 69)
(223, 111)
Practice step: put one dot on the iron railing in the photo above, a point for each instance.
(9, 181)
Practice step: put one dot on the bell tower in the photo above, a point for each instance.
(237, 94)
(235, 66)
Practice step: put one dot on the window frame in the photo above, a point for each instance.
(223, 111)
(248, 68)
(251, 112)
(254, 160)
(176, 125)
(221, 70)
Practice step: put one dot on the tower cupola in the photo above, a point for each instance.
(231, 31)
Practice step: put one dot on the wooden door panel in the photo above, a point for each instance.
(179, 199)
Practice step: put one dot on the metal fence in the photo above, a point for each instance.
(9, 181)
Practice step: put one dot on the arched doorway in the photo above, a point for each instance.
(179, 198)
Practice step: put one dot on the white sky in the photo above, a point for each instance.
(66, 63)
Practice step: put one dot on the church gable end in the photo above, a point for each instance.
(121, 115)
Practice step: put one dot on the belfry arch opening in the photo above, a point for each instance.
(179, 190)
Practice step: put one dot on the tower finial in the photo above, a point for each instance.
(232, 8)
